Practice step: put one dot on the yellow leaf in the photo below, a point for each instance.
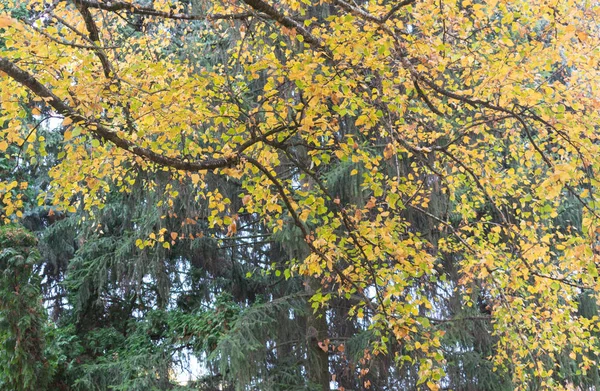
(432, 386)
(388, 152)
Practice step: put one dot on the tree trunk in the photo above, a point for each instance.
(316, 334)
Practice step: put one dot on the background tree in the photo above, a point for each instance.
(24, 365)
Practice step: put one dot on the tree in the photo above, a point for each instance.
(24, 365)
(466, 129)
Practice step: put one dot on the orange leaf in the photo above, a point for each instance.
(6, 21)
(323, 345)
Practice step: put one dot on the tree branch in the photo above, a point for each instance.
(132, 8)
(27, 80)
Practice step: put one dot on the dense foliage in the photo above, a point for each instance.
(299, 195)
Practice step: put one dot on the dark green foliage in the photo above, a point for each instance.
(23, 365)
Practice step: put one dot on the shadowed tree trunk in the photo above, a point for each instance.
(316, 333)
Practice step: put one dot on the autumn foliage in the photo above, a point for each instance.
(467, 129)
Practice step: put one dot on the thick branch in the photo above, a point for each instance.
(92, 29)
(27, 80)
(258, 5)
(285, 21)
(115, 6)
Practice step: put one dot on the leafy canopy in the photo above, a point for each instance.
(480, 117)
